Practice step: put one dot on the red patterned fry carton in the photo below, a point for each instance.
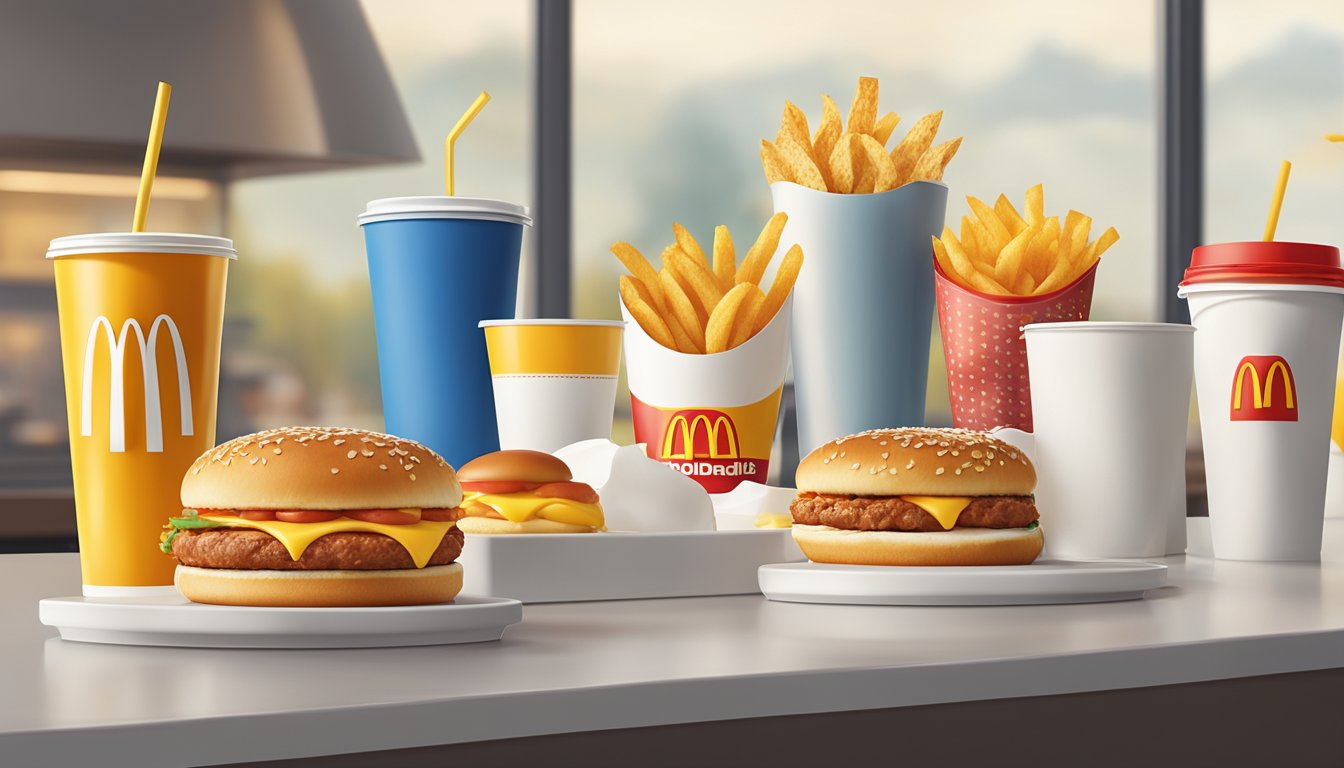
(987, 379)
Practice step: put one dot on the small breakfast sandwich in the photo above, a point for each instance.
(526, 492)
(917, 496)
(309, 516)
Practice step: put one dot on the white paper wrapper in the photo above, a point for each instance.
(638, 494)
(752, 505)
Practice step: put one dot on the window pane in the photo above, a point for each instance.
(298, 338)
(673, 97)
(302, 345)
(1275, 87)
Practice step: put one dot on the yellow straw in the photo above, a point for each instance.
(448, 143)
(151, 156)
(1336, 137)
(1273, 222)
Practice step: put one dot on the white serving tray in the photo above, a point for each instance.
(1043, 582)
(174, 621)
(568, 567)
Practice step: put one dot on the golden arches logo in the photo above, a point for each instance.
(1262, 398)
(686, 425)
(1253, 390)
(149, 363)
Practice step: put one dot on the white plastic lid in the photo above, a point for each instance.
(444, 207)
(1110, 325)
(141, 242)
(558, 321)
(1186, 290)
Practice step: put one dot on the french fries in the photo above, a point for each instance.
(745, 324)
(694, 273)
(719, 330)
(694, 306)
(783, 283)
(633, 293)
(851, 157)
(758, 256)
(725, 258)
(1000, 252)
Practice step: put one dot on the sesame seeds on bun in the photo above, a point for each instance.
(320, 468)
(917, 461)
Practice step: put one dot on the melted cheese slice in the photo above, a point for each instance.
(945, 509)
(774, 520)
(521, 507)
(419, 539)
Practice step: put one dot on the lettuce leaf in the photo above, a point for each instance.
(190, 520)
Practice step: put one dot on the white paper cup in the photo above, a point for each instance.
(1265, 458)
(554, 380)
(711, 417)
(1111, 402)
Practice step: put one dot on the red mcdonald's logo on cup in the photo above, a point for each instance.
(1263, 390)
(683, 438)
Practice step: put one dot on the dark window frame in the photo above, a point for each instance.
(1181, 146)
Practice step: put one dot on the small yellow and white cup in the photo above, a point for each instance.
(554, 381)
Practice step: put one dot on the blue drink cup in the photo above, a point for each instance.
(438, 266)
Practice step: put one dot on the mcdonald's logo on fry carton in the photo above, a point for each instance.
(1263, 390)
(720, 436)
(718, 448)
(149, 364)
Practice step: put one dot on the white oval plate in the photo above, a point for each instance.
(1043, 582)
(174, 621)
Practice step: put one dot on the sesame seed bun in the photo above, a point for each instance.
(319, 468)
(301, 589)
(516, 465)
(959, 546)
(917, 461)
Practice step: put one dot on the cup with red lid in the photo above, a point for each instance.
(1267, 317)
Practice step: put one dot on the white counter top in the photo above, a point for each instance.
(592, 666)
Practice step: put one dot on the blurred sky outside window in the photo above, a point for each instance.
(1275, 86)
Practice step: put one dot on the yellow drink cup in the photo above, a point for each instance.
(1337, 423)
(141, 316)
(554, 380)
